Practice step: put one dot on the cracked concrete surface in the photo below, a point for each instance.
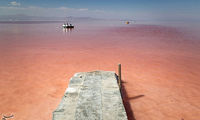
(91, 96)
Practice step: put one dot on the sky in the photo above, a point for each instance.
(111, 9)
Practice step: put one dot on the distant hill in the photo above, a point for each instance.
(21, 17)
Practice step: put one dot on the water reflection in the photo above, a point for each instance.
(68, 30)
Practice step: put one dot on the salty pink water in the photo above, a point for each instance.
(160, 67)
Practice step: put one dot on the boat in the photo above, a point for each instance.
(127, 22)
(69, 26)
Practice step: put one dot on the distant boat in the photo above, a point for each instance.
(67, 25)
(127, 22)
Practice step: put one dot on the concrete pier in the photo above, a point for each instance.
(91, 96)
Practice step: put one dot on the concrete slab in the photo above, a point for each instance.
(91, 96)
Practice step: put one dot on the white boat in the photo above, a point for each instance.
(67, 25)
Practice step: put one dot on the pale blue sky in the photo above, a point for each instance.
(133, 9)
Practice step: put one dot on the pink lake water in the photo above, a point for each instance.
(160, 66)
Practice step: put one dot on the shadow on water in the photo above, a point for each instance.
(135, 97)
(126, 101)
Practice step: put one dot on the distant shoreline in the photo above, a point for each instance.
(31, 22)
